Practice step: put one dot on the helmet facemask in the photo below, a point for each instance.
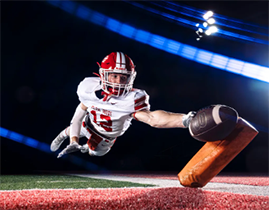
(117, 63)
(116, 89)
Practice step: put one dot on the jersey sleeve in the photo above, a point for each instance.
(85, 88)
(141, 101)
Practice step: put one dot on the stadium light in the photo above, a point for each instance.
(211, 21)
(186, 51)
(208, 26)
(222, 21)
(211, 30)
(208, 15)
(205, 24)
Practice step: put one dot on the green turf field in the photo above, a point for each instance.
(20, 182)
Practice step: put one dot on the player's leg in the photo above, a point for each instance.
(96, 144)
(99, 152)
(56, 143)
(99, 146)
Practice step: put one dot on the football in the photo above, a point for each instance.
(213, 123)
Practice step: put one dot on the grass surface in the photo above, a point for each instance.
(20, 182)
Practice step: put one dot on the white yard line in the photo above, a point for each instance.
(60, 181)
(211, 186)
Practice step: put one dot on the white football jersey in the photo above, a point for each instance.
(113, 116)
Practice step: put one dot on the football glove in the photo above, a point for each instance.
(73, 147)
(84, 148)
(186, 119)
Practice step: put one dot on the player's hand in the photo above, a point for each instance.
(73, 147)
(186, 119)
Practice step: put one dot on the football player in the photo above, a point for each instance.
(108, 103)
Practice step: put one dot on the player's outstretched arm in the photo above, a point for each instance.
(164, 119)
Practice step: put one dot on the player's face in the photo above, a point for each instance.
(117, 78)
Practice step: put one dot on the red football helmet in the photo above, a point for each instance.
(117, 62)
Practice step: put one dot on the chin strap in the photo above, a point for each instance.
(96, 74)
(105, 95)
(103, 92)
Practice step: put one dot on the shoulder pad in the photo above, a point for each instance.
(141, 100)
(86, 87)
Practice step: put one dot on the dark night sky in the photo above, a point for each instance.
(46, 52)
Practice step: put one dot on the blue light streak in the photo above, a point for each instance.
(191, 24)
(19, 138)
(83, 12)
(24, 140)
(198, 13)
(189, 52)
(192, 53)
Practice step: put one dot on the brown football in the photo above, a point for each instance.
(213, 123)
